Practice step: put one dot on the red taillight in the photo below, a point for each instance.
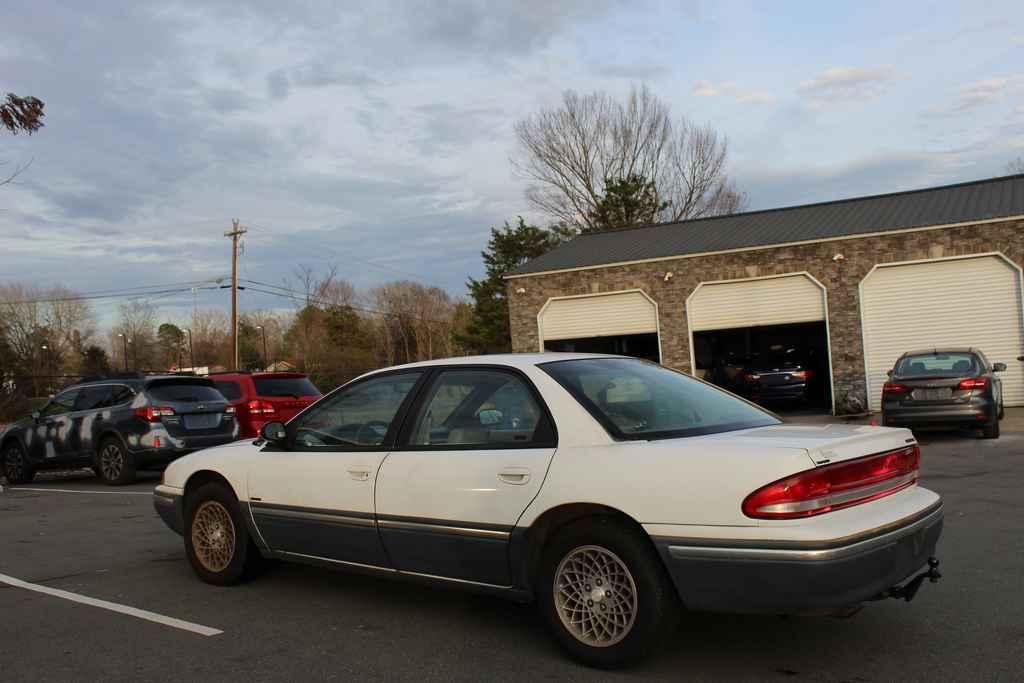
(894, 388)
(154, 413)
(802, 374)
(257, 407)
(973, 384)
(834, 487)
(751, 376)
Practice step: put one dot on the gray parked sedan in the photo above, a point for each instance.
(118, 425)
(956, 386)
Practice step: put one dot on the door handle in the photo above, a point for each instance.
(517, 476)
(359, 475)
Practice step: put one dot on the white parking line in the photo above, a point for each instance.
(116, 493)
(112, 606)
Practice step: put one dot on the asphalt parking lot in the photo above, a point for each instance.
(69, 533)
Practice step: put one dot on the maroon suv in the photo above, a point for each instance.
(260, 397)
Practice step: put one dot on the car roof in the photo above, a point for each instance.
(513, 360)
(935, 350)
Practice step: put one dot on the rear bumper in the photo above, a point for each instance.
(780, 392)
(940, 414)
(172, 447)
(794, 577)
(168, 504)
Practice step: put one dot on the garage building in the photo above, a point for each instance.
(851, 284)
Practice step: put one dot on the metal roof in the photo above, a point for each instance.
(950, 204)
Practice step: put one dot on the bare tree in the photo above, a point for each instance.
(570, 152)
(135, 334)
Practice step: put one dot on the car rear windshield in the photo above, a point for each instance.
(636, 399)
(939, 364)
(183, 391)
(285, 386)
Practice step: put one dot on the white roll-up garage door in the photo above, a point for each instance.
(751, 303)
(953, 302)
(598, 315)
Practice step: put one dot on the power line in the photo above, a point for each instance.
(139, 291)
(303, 297)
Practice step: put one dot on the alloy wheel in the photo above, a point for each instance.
(595, 596)
(14, 465)
(111, 461)
(213, 536)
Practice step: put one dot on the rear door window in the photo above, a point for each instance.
(232, 391)
(121, 395)
(296, 387)
(92, 398)
(177, 391)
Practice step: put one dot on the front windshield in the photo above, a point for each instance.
(635, 399)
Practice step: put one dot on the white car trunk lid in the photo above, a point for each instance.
(828, 443)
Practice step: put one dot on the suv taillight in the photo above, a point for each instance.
(834, 487)
(154, 413)
(973, 384)
(257, 407)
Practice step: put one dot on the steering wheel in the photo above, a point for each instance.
(375, 429)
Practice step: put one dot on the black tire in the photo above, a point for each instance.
(655, 608)
(115, 463)
(16, 467)
(991, 429)
(238, 558)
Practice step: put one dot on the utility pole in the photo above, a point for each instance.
(266, 360)
(236, 231)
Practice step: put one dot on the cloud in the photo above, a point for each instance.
(843, 84)
(730, 89)
(977, 94)
(315, 75)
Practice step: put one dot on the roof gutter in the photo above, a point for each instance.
(655, 259)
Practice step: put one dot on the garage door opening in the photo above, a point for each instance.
(624, 323)
(765, 363)
(637, 345)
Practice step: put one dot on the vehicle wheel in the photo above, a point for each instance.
(216, 538)
(116, 464)
(17, 469)
(991, 430)
(604, 593)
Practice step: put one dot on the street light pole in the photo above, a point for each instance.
(191, 356)
(266, 360)
(124, 346)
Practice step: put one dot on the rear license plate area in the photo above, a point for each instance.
(933, 394)
(202, 421)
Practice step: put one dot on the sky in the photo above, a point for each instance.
(377, 136)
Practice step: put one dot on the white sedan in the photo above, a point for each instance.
(610, 490)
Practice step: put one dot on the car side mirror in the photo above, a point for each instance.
(889, 373)
(274, 432)
(36, 415)
(998, 367)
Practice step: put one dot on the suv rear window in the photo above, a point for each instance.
(231, 390)
(183, 391)
(285, 386)
(635, 399)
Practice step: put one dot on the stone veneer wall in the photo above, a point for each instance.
(840, 278)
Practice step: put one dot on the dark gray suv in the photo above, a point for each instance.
(117, 426)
